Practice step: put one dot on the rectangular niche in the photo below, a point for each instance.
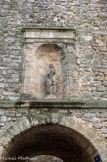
(50, 68)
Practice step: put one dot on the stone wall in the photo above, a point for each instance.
(91, 123)
(88, 17)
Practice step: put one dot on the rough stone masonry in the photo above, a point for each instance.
(88, 17)
(85, 118)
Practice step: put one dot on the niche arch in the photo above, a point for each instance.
(46, 55)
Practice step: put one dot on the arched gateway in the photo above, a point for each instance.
(50, 139)
(31, 136)
(53, 80)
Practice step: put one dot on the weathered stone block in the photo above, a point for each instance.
(104, 131)
(3, 119)
(2, 112)
(98, 125)
(105, 83)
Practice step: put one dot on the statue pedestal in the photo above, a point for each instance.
(51, 97)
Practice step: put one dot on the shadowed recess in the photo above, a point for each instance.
(55, 140)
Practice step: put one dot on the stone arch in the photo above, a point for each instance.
(19, 136)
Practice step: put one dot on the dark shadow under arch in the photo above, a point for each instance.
(56, 140)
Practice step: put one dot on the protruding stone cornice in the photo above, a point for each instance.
(58, 104)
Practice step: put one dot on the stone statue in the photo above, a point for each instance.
(50, 80)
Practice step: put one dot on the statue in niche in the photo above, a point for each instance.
(51, 81)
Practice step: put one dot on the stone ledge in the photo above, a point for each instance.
(47, 28)
(96, 104)
(55, 104)
(48, 33)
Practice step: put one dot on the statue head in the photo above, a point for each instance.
(51, 66)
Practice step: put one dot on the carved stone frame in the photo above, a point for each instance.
(65, 39)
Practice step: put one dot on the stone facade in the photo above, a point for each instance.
(91, 123)
(88, 17)
(83, 116)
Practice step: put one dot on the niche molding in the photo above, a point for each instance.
(42, 49)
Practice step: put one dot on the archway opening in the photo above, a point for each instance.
(59, 141)
(45, 158)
